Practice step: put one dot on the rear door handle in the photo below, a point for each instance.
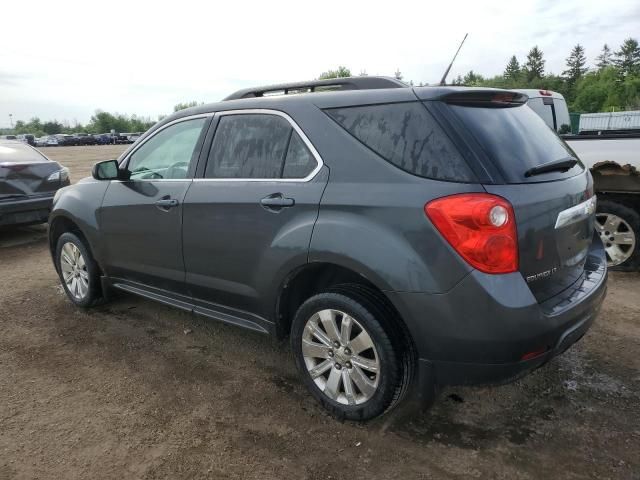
(276, 202)
(166, 203)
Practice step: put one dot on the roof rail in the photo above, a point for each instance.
(344, 83)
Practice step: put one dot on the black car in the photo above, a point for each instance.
(85, 139)
(400, 236)
(28, 182)
(66, 140)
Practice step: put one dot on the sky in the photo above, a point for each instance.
(67, 59)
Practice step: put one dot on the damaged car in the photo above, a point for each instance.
(28, 182)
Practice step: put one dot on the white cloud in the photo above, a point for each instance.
(65, 60)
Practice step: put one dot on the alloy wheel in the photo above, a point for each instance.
(74, 270)
(618, 238)
(340, 357)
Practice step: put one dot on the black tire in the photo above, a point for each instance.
(94, 292)
(394, 372)
(632, 217)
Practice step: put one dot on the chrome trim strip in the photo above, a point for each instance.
(576, 213)
(263, 111)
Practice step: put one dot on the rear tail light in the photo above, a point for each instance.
(480, 227)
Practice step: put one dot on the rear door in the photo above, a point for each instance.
(141, 218)
(554, 209)
(248, 220)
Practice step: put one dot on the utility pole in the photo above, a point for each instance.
(11, 120)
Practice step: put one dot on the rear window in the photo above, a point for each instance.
(406, 135)
(516, 139)
(19, 153)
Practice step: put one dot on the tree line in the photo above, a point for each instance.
(613, 83)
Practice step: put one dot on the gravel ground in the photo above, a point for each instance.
(134, 389)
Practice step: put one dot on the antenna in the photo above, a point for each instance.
(444, 77)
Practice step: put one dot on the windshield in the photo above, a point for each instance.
(516, 140)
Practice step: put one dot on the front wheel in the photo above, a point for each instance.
(78, 270)
(619, 230)
(346, 358)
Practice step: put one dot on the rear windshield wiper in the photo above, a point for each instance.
(562, 165)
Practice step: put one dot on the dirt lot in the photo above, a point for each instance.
(134, 389)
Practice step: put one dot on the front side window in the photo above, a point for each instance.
(168, 154)
(258, 146)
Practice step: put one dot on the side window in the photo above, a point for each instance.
(258, 146)
(168, 154)
(406, 135)
(299, 162)
(248, 146)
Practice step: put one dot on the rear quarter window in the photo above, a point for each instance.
(406, 135)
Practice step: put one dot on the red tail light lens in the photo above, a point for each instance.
(480, 227)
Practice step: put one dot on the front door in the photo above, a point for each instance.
(141, 218)
(248, 222)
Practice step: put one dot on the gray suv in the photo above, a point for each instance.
(401, 237)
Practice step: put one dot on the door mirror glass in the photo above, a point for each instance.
(107, 170)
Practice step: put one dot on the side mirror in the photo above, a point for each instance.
(107, 170)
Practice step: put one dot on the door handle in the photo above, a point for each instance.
(276, 202)
(166, 203)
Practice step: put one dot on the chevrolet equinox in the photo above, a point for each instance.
(399, 236)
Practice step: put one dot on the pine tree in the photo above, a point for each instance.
(575, 65)
(534, 67)
(627, 59)
(398, 74)
(604, 59)
(512, 72)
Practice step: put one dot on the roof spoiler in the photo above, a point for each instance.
(331, 84)
(486, 98)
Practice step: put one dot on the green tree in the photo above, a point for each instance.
(339, 73)
(576, 62)
(534, 66)
(512, 71)
(52, 127)
(398, 74)
(604, 59)
(472, 79)
(627, 59)
(182, 106)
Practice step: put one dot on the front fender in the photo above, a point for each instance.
(80, 204)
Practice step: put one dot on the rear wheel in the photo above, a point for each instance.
(346, 358)
(619, 230)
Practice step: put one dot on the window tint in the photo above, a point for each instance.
(249, 146)
(406, 135)
(299, 162)
(516, 139)
(168, 154)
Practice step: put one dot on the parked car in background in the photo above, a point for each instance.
(27, 138)
(51, 141)
(41, 141)
(132, 137)
(103, 138)
(8, 137)
(85, 139)
(609, 145)
(66, 140)
(28, 182)
(432, 235)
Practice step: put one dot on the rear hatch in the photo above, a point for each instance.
(525, 162)
(25, 173)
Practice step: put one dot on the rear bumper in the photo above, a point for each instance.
(480, 331)
(28, 211)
